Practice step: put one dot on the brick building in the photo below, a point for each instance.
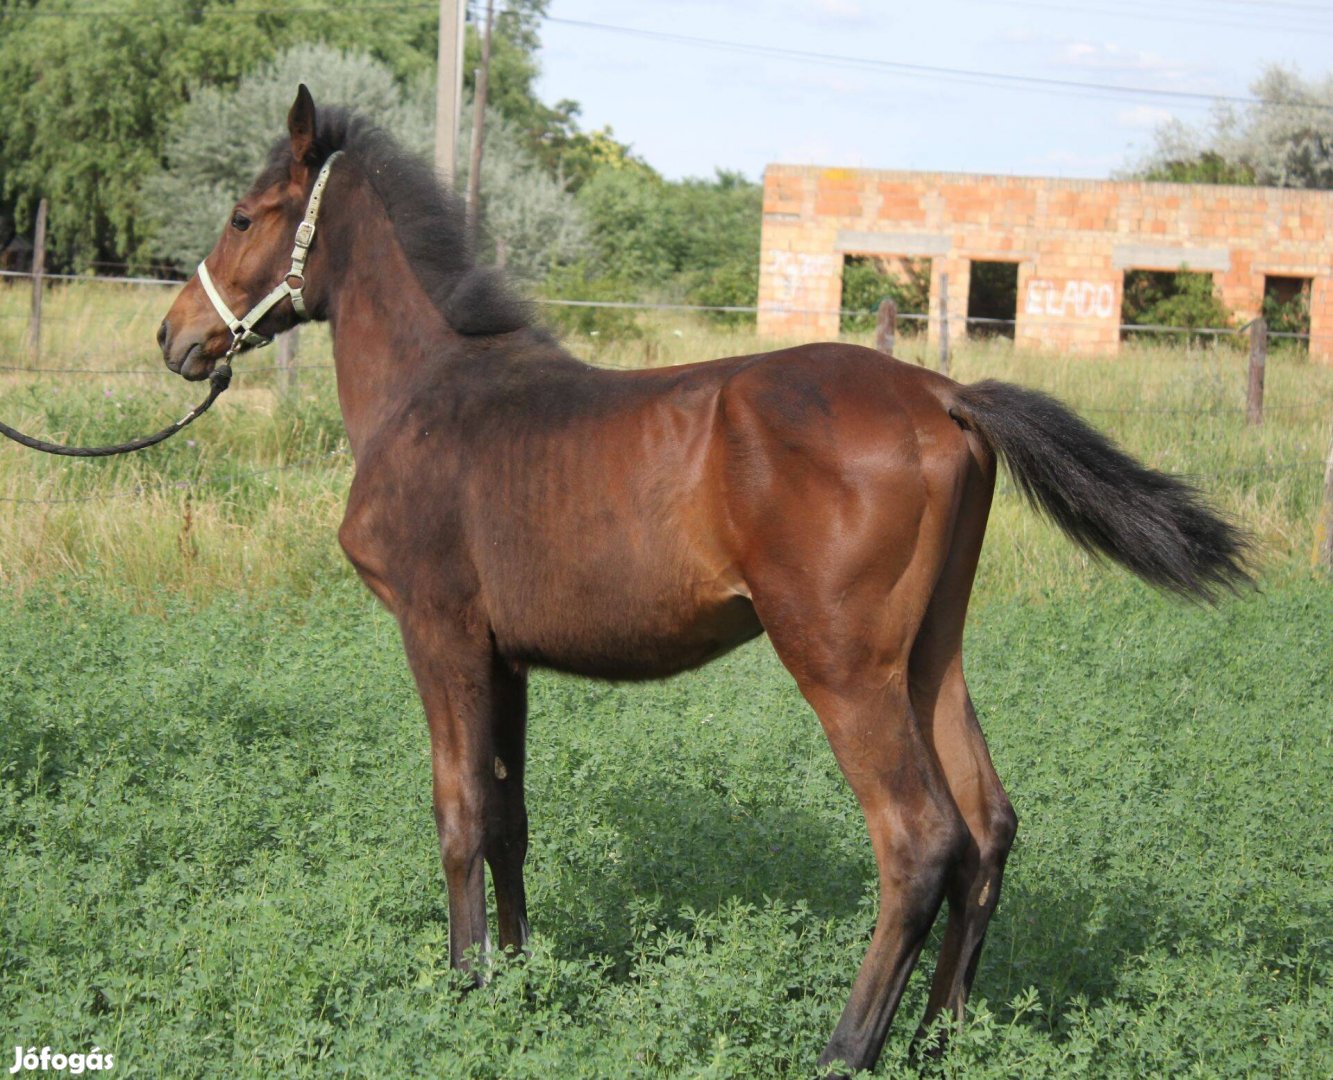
(1072, 241)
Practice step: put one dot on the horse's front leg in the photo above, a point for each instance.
(453, 672)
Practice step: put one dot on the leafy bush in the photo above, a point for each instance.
(1289, 314)
(867, 280)
(1186, 298)
(582, 282)
(692, 239)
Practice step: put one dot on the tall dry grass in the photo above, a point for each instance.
(250, 498)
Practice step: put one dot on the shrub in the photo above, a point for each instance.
(867, 280)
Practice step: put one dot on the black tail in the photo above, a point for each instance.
(1155, 525)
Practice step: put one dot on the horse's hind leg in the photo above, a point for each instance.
(507, 818)
(851, 665)
(941, 699)
(974, 882)
(917, 837)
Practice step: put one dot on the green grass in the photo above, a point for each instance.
(219, 857)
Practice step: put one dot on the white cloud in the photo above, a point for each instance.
(1142, 117)
(1111, 59)
(843, 10)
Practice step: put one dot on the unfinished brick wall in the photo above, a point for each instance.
(1073, 240)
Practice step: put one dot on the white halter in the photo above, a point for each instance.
(243, 330)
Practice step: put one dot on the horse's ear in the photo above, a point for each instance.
(301, 125)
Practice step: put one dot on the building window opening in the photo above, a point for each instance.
(1287, 311)
(867, 280)
(992, 300)
(1166, 306)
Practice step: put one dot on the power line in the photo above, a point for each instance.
(965, 76)
(971, 76)
(1196, 16)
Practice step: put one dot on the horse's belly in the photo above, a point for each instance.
(628, 641)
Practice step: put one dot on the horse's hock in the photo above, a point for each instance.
(1072, 240)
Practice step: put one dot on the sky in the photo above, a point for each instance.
(688, 108)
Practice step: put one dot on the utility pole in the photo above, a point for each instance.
(481, 87)
(448, 87)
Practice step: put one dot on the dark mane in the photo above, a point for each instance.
(429, 220)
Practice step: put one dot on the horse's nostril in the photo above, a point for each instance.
(162, 333)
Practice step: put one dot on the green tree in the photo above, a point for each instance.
(531, 223)
(211, 158)
(219, 140)
(1284, 140)
(674, 238)
(550, 133)
(87, 97)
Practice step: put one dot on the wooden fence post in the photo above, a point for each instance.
(38, 269)
(1254, 401)
(1323, 547)
(886, 326)
(288, 344)
(944, 324)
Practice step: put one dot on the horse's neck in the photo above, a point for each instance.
(385, 329)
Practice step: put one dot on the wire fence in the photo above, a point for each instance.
(922, 318)
(1217, 410)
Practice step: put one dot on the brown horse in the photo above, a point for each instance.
(513, 507)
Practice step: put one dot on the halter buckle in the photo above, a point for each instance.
(305, 233)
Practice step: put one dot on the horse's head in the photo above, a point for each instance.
(251, 286)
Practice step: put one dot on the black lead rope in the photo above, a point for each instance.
(219, 380)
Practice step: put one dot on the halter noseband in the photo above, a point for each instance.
(243, 330)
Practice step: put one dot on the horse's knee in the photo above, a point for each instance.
(460, 825)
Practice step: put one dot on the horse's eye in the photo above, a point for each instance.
(239, 222)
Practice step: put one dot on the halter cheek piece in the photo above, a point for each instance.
(243, 330)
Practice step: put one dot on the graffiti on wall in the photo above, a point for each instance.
(798, 278)
(1080, 299)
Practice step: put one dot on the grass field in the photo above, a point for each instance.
(218, 851)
